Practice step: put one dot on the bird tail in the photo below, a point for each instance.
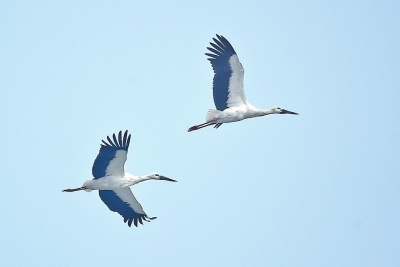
(212, 114)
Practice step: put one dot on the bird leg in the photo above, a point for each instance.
(196, 127)
(74, 189)
(217, 125)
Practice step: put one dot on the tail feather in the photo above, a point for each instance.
(212, 114)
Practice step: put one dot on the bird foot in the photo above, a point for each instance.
(74, 189)
(193, 128)
(208, 123)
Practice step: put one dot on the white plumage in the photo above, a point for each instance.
(229, 98)
(113, 182)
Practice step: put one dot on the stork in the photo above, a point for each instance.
(229, 99)
(113, 182)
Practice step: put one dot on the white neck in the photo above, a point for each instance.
(260, 112)
(132, 179)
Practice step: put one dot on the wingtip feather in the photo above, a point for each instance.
(115, 140)
(110, 141)
(128, 141)
(120, 138)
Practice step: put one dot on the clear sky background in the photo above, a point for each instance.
(318, 189)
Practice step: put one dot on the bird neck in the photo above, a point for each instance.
(144, 178)
(132, 179)
(139, 179)
(261, 112)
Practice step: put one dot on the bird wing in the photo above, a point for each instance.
(112, 156)
(228, 79)
(124, 202)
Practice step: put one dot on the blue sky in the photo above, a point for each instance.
(319, 189)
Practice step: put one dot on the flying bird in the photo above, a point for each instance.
(229, 99)
(113, 182)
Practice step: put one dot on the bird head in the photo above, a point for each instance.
(156, 176)
(279, 110)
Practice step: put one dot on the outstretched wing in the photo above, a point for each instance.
(228, 79)
(124, 202)
(112, 156)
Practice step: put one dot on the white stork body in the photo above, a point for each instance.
(113, 182)
(229, 98)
